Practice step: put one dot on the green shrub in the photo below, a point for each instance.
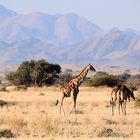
(63, 78)
(124, 77)
(133, 82)
(104, 80)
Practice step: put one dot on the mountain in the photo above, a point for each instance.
(53, 28)
(5, 13)
(66, 38)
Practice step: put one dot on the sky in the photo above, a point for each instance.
(123, 14)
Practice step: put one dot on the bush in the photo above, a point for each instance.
(107, 132)
(133, 82)
(125, 76)
(99, 73)
(3, 89)
(69, 70)
(104, 80)
(63, 78)
(3, 103)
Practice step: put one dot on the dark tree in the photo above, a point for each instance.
(34, 73)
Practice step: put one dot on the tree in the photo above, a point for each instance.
(34, 73)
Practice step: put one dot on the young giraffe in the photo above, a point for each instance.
(124, 94)
(73, 86)
(114, 97)
(120, 95)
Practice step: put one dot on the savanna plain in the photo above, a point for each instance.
(32, 114)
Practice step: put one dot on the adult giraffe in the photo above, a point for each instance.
(73, 86)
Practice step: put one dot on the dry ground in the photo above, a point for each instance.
(32, 114)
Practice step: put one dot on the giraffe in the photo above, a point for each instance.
(114, 97)
(73, 86)
(121, 96)
(124, 94)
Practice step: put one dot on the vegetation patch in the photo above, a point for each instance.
(105, 80)
(3, 89)
(108, 132)
(41, 94)
(4, 103)
(6, 133)
(34, 73)
(138, 103)
(133, 82)
(72, 122)
(17, 124)
(79, 112)
(21, 88)
(111, 122)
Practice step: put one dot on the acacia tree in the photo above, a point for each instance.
(34, 73)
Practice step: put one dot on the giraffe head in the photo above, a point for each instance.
(91, 67)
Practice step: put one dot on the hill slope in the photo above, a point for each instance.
(64, 39)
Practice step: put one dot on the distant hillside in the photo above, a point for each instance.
(66, 38)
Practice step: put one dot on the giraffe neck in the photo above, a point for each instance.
(81, 76)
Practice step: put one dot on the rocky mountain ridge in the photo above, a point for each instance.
(66, 38)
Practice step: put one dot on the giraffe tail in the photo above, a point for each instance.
(57, 101)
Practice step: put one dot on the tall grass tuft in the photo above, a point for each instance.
(107, 132)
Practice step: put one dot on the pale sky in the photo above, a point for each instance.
(104, 13)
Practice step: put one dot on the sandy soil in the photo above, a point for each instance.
(32, 114)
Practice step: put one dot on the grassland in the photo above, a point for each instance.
(32, 114)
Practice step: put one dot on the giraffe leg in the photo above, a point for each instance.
(125, 107)
(74, 99)
(119, 107)
(112, 103)
(122, 107)
(61, 105)
(74, 106)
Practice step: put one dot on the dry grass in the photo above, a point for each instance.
(35, 116)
